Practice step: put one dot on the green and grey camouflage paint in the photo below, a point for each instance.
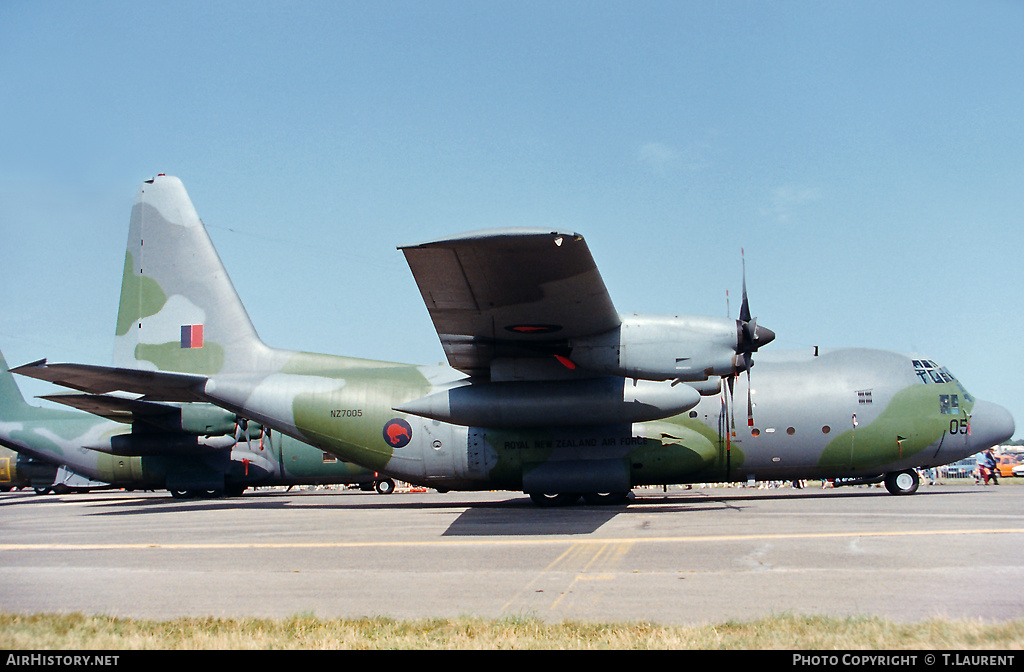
(45, 439)
(834, 414)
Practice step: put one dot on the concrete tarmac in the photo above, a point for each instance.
(705, 555)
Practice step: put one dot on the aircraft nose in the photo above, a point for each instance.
(991, 425)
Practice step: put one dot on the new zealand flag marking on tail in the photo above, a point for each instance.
(191, 336)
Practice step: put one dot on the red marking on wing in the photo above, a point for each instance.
(566, 362)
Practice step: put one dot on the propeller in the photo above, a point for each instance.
(749, 338)
(241, 430)
(247, 430)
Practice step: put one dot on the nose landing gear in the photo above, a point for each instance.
(902, 482)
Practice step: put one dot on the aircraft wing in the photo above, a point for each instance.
(118, 409)
(158, 428)
(155, 385)
(510, 293)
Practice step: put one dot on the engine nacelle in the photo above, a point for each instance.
(605, 400)
(662, 347)
(143, 445)
(207, 420)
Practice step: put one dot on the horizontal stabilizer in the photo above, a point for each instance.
(155, 385)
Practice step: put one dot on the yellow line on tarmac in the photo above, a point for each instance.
(516, 541)
(609, 554)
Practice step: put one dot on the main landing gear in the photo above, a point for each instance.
(384, 486)
(204, 494)
(566, 498)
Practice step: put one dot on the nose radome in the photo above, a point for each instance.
(991, 425)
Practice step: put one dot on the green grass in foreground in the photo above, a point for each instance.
(78, 632)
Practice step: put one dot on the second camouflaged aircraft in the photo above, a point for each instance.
(189, 449)
(550, 390)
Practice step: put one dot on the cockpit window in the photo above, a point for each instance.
(930, 372)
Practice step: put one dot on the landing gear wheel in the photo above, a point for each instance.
(385, 487)
(606, 498)
(902, 482)
(553, 498)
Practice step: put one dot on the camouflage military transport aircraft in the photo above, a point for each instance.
(24, 471)
(550, 390)
(189, 449)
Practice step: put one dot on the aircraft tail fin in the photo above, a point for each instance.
(179, 310)
(12, 401)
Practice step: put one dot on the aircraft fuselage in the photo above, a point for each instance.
(840, 414)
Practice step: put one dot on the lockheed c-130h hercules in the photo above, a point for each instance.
(550, 391)
(188, 449)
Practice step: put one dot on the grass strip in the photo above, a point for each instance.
(305, 632)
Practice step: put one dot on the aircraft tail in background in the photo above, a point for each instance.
(12, 402)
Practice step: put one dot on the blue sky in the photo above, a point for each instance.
(868, 156)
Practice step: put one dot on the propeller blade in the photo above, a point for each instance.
(750, 402)
(745, 305)
(242, 431)
(731, 410)
(751, 336)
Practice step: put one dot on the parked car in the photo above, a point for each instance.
(1019, 470)
(1005, 465)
